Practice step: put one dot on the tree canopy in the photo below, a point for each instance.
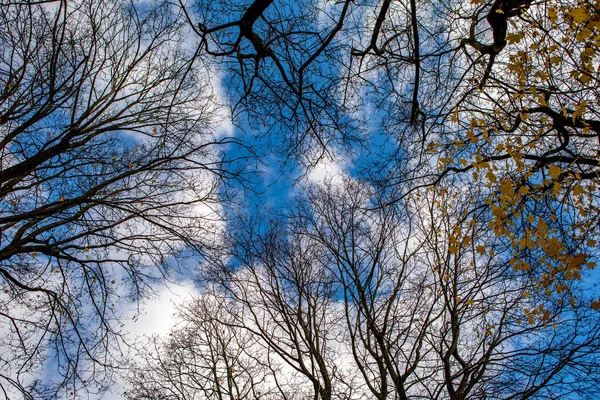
(109, 169)
(451, 257)
(498, 94)
(336, 300)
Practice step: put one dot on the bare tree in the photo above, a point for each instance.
(109, 169)
(500, 92)
(285, 294)
(351, 299)
(206, 358)
(388, 310)
(420, 61)
(502, 332)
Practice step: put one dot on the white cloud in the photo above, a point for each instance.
(156, 316)
(330, 168)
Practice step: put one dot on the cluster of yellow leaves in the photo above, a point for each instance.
(539, 313)
(507, 200)
(555, 44)
(457, 240)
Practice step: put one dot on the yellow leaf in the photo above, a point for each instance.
(584, 78)
(581, 107)
(554, 247)
(514, 38)
(507, 189)
(556, 188)
(542, 228)
(554, 171)
(546, 316)
(556, 60)
(481, 249)
(499, 11)
(579, 14)
(552, 15)
(575, 262)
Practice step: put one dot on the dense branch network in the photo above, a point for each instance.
(109, 170)
(462, 227)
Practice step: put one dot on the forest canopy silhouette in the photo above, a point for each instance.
(447, 251)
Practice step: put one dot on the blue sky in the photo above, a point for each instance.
(279, 144)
